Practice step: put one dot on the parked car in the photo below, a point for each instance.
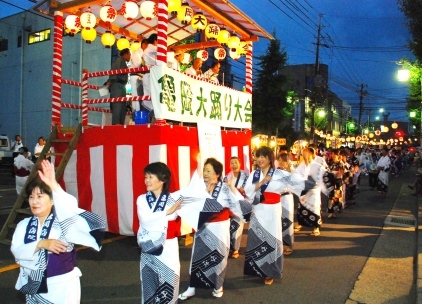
(6, 153)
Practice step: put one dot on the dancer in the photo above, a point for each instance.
(383, 167)
(236, 223)
(43, 244)
(212, 240)
(309, 209)
(287, 204)
(264, 249)
(159, 227)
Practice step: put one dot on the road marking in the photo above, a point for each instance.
(110, 240)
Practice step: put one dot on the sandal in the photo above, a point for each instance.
(288, 251)
(297, 228)
(235, 254)
(269, 281)
(218, 293)
(182, 297)
(315, 233)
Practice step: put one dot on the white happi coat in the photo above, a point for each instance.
(63, 288)
(163, 268)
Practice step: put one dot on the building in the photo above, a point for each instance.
(26, 61)
(310, 87)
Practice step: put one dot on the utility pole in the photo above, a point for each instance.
(317, 79)
(362, 93)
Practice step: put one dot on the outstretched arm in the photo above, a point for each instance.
(48, 175)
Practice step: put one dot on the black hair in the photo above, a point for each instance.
(124, 52)
(22, 150)
(266, 152)
(41, 137)
(152, 38)
(283, 148)
(216, 165)
(163, 173)
(17, 136)
(214, 64)
(234, 157)
(38, 183)
(145, 40)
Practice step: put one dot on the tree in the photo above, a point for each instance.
(272, 110)
(412, 9)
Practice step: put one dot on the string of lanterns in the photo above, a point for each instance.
(148, 9)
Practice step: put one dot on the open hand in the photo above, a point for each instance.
(55, 246)
(48, 175)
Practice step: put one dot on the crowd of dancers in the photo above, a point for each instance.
(215, 206)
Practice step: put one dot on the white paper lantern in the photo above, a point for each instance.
(73, 24)
(234, 55)
(108, 13)
(129, 10)
(203, 54)
(148, 9)
(88, 20)
(220, 53)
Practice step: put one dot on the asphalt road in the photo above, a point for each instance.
(322, 269)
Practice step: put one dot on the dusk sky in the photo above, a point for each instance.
(365, 41)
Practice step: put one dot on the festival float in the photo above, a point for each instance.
(103, 165)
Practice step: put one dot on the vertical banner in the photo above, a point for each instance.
(210, 143)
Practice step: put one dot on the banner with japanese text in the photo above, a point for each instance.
(176, 96)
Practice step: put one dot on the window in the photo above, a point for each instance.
(39, 36)
(4, 44)
(19, 41)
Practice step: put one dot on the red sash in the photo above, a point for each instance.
(22, 172)
(271, 198)
(173, 228)
(222, 216)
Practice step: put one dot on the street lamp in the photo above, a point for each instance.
(404, 75)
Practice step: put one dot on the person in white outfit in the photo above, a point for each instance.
(22, 166)
(135, 78)
(150, 58)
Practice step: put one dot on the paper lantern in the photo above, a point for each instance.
(223, 36)
(211, 31)
(199, 22)
(89, 35)
(108, 39)
(122, 43)
(364, 137)
(185, 13)
(129, 10)
(234, 55)
(394, 125)
(148, 9)
(377, 132)
(371, 135)
(203, 54)
(233, 43)
(174, 6)
(220, 53)
(401, 138)
(135, 46)
(108, 13)
(358, 138)
(88, 20)
(73, 24)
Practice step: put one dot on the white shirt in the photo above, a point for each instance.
(211, 76)
(16, 146)
(150, 55)
(136, 58)
(191, 71)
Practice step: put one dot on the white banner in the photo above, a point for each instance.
(210, 143)
(179, 97)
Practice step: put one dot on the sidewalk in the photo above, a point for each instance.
(390, 274)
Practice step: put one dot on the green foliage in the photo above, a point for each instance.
(412, 9)
(272, 107)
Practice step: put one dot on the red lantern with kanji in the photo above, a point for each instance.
(203, 54)
(108, 13)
